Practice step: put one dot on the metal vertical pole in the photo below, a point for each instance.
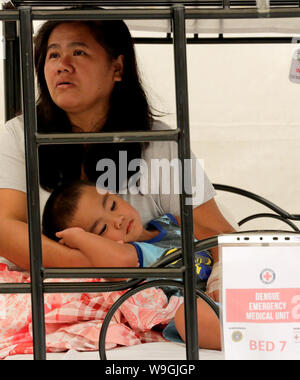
(32, 170)
(11, 70)
(185, 153)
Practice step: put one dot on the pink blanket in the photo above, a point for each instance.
(73, 321)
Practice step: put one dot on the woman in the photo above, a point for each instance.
(88, 82)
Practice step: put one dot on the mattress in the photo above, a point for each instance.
(146, 351)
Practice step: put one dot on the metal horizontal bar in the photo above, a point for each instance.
(150, 13)
(273, 3)
(103, 14)
(9, 15)
(112, 272)
(14, 16)
(240, 13)
(201, 3)
(213, 40)
(80, 287)
(116, 2)
(83, 287)
(68, 287)
(13, 288)
(64, 287)
(242, 40)
(87, 287)
(103, 137)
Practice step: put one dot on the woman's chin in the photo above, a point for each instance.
(69, 106)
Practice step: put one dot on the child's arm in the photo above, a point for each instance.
(100, 251)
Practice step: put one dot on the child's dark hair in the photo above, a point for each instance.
(61, 206)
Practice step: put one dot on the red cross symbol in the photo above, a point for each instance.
(267, 276)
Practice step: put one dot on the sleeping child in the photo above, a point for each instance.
(108, 230)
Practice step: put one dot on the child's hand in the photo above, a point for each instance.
(213, 283)
(69, 236)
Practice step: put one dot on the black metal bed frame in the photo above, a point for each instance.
(24, 13)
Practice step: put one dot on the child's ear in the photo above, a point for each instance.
(119, 68)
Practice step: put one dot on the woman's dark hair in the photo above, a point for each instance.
(61, 206)
(129, 108)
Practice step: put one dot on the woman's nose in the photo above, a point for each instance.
(65, 65)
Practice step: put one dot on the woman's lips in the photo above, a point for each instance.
(64, 82)
(65, 85)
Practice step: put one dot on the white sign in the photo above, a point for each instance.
(261, 302)
(294, 74)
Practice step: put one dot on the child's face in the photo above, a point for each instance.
(107, 215)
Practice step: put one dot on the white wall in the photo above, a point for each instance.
(244, 117)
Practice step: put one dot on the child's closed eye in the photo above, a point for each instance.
(103, 230)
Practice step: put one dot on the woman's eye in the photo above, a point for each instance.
(52, 55)
(113, 206)
(103, 230)
(78, 52)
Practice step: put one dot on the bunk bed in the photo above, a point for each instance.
(175, 19)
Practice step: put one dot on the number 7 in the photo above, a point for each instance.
(283, 342)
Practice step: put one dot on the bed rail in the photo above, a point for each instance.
(198, 3)
(278, 214)
(25, 15)
(177, 12)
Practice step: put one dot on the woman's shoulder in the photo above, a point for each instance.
(15, 126)
(160, 149)
(158, 125)
(12, 135)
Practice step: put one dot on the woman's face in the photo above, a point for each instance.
(79, 73)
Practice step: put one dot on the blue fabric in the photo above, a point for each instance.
(147, 253)
(170, 333)
(166, 242)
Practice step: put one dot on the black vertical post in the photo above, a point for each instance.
(32, 177)
(185, 153)
(11, 70)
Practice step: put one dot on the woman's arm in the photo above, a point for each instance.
(14, 242)
(100, 251)
(14, 247)
(209, 221)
